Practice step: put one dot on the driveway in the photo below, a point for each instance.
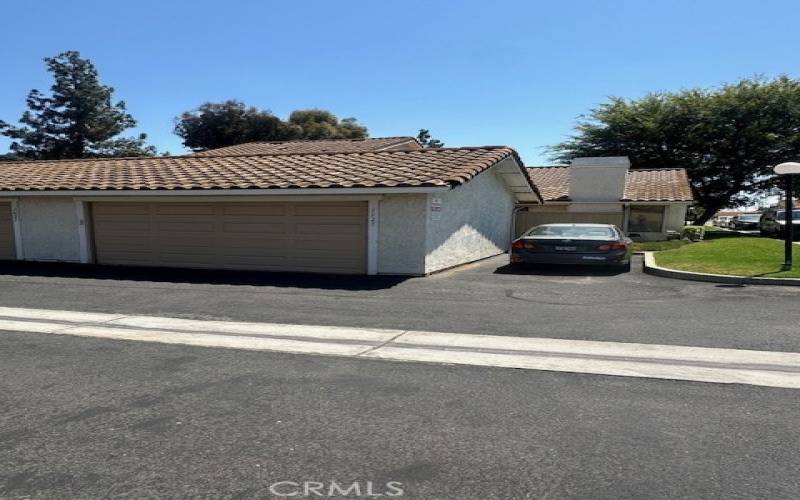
(486, 298)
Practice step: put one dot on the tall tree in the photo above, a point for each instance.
(78, 118)
(424, 138)
(727, 138)
(215, 125)
(321, 124)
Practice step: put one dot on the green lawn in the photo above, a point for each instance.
(736, 256)
(656, 246)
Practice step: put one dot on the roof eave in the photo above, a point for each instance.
(266, 192)
(519, 180)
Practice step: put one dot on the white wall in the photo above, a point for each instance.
(401, 234)
(49, 231)
(676, 216)
(599, 208)
(598, 179)
(49, 228)
(474, 222)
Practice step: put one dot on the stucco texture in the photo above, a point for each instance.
(472, 222)
(401, 234)
(49, 229)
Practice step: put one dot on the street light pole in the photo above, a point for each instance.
(788, 170)
(789, 231)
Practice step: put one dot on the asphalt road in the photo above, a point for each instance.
(485, 298)
(87, 418)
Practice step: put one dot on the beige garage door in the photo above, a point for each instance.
(312, 237)
(527, 220)
(7, 249)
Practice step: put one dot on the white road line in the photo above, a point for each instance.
(624, 368)
(774, 369)
(210, 340)
(52, 315)
(11, 325)
(603, 349)
(274, 329)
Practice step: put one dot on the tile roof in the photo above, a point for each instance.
(666, 184)
(315, 146)
(419, 168)
(553, 182)
(640, 185)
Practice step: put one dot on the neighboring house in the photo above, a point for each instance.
(317, 146)
(724, 217)
(299, 208)
(644, 203)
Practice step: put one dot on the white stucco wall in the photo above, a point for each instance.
(596, 208)
(474, 222)
(676, 216)
(401, 234)
(598, 179)
(49, 229)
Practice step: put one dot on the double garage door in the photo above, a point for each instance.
(306, 237)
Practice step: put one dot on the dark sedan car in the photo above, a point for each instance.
(596, 244)
(747, 222)
(773, 223)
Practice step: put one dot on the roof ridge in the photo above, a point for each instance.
(418, 168)
(346, 139)
(661, 169)
(212, 157)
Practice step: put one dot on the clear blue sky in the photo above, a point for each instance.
(474, 72)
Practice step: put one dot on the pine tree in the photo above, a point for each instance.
(77, 120)
(424, 138)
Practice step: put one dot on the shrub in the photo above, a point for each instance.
(693, 233)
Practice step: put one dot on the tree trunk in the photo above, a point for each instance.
(708, 213)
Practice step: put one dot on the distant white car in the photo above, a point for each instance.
(723, 221)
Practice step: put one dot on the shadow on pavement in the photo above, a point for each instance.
(559, 270)
(199, 276)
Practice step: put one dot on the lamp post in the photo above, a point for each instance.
(788, 170)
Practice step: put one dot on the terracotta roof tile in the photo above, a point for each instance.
(315, 146)
(640, 185)
(553, 182)
(423, 168)
(657, 185)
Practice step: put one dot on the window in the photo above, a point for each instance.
(795, 215)
(574, 231)
(646, 218)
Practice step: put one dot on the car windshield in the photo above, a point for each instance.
(588, 232)
(795, 215)
(749, 218)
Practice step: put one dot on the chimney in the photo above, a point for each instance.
(598, 179)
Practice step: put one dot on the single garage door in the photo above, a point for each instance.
(308, 237)
(7, 249)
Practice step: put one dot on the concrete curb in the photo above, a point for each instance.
(650, 267)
